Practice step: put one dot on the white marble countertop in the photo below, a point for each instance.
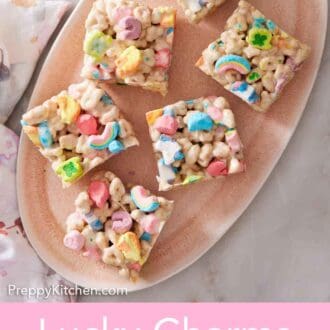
(279, 249)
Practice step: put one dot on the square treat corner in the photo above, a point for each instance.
(78, 129)
(130, 44)
(196, 10)
(253, 58)
(195, 140)
(116, 225)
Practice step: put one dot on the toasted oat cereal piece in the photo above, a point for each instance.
(78, 129)
(253, 58)
(129, 43)
(196, 10)
(195, 140)
(116, 225)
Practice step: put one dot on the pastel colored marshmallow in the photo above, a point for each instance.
(215, 113)
(170, 149)
(166, 172)
(45, 135)
(87, 124)
(143, 200)
(121, 12)
(94, 222)
(146, 237)
(233, 140)
(217, 168)
(130, 246)
(199, 121)
(260, 38)
(128, 62)
(74, 240)
(153, 115)
(116, 147)
(69, 109)
(121, 222)
(130, 28)
(163, 58)
(192, 179)
(96, 44)
(168, 19)
(245, 91)
(166, 125)
(98, 192)
(102, 141)
(150, 224)
(232, 62)
(70, 170)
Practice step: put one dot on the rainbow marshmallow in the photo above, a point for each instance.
(100, 142)
(232, 62)
(143, 200)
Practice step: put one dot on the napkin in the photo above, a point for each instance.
(25, 28)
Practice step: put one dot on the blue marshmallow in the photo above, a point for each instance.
(106, 99)
(96, 225)
(116, 147)
(178, 155)
(200, 121)
(145, 237)
(45, 135)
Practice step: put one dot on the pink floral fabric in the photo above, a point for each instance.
(19, 264)
(25, 28)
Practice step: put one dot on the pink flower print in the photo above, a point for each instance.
(3, 229)
(7, 252)
(4, 70)
(3, 273)
(9, 144)
(19, 226)
(8, 147)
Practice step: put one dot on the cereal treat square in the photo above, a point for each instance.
(78, 130)
(253, 58)
(116, 225)
(195, 140)
(129, 43)
(196, 10)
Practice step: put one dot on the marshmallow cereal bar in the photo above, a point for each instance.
(196, 10)
(253, 58)
(116, 225)
(129, 43)
(195, 140)
(78, 130)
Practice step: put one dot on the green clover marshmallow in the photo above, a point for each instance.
(70, 170)
(96, 44)
(260, 38)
